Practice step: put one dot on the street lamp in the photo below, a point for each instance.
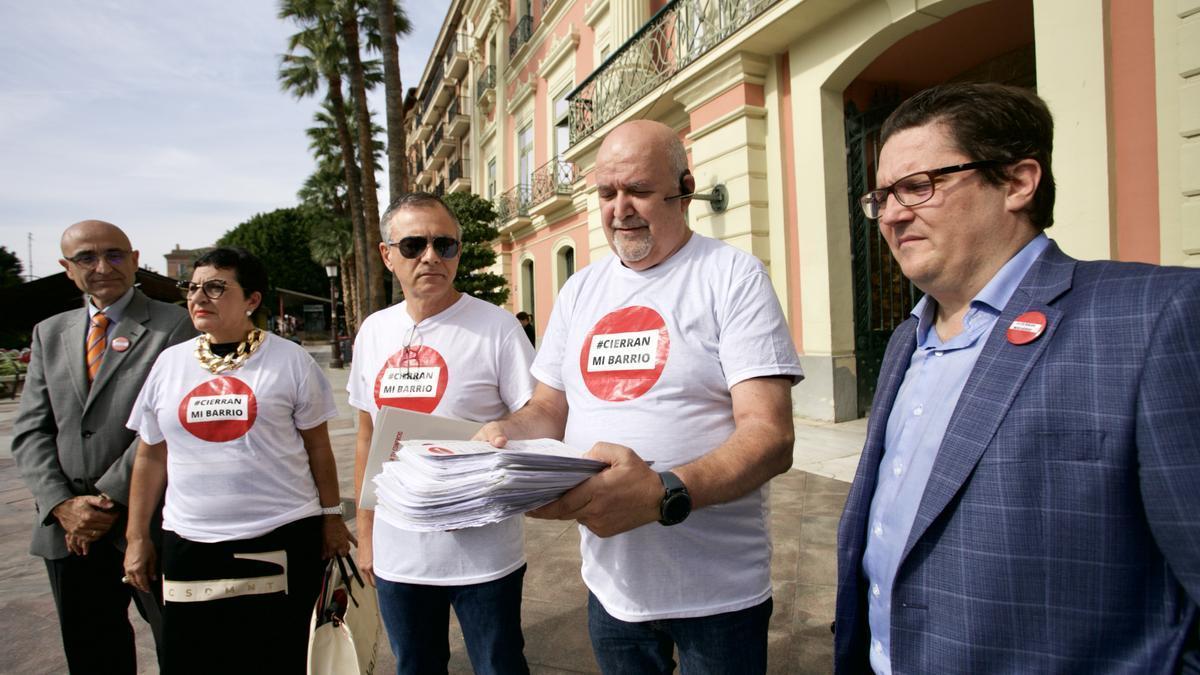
(331, 271)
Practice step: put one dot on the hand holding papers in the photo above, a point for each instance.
(446, 485)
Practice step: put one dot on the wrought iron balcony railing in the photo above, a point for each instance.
(550, 179)
(439, 189)
(433, 141)
(678, 34)
(458, 106)
(520, 34)
(457, 170)
(457, 47)
(486, 82)
(513, 204)
(431, 87)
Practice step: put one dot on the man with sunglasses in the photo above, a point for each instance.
(1026, 500)
(72, 447)
(445, 353)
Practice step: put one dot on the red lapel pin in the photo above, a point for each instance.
(1026, 328)
(120, 344)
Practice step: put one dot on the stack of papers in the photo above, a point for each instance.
(449, 485)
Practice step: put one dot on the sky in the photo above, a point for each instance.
(165, 118)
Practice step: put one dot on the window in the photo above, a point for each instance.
(527, 287)
(491, 178)
(562, 123)
(566, 264)
(525, 156)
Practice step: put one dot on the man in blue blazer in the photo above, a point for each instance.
(1028, 498)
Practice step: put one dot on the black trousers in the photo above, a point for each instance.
(93, 610)
(261, 633)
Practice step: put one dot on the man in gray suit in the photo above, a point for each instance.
(72, 447)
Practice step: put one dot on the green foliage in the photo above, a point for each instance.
(281, 240)
(332, 239)
(477, 217)
(10, 269)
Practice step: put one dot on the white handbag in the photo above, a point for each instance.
(345, 630)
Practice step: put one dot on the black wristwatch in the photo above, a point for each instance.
(676, 502)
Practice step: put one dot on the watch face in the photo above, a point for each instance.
(676, 508)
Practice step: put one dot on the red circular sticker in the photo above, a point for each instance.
(413, 378)
(624, 354)
(221, 409)
(1026, 328)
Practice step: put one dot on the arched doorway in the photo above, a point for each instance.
(989, 42)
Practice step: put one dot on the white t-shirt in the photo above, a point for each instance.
(236, 463)
(470, 362)
(647, 360)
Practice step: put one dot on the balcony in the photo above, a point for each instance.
(433, 155)
(678, 34)
(520, 34)
(512, 208)
(454, 63)
(458, 176)
(551, 188)
(423, 132)
(425, 177)
(485, 88)
(439, 189)
(458, 118)
(433, 87)
(445, 145)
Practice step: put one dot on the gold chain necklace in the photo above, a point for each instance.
(231, 361)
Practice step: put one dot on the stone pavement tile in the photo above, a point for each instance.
(824, 504)
(812, 656)
(556, 637)
(818, 530)
(785, 556)
(817, 566)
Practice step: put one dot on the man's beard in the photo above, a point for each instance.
(632, 249)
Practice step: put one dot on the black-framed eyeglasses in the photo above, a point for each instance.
(213, 288)
(90, 259)
(412, 247)
(915, 188)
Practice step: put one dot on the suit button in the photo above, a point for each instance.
(87, 434)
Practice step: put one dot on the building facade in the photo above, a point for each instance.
(780, 103)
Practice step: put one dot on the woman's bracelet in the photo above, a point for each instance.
(333, 510)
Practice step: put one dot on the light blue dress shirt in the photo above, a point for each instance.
(932, 384)
(114, 312)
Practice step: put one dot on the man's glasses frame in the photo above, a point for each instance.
(915, 188)
(414, 246)
(212, 289)
(89, 260)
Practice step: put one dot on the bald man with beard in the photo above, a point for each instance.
(73, 450)
(672, 351)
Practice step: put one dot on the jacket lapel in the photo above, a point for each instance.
(72, 341)
(132, 327)
(998, 376)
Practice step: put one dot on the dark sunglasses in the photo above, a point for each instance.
(214, 288)
(412, 247)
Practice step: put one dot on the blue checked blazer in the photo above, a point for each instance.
(1060, 528)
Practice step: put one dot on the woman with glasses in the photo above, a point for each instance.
(233, 428)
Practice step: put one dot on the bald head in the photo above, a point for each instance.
(646, 137)
(90, 229)
(98, 257)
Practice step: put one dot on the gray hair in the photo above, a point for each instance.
(414, 200)
(677, 156)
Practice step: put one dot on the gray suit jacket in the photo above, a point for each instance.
(70, 439)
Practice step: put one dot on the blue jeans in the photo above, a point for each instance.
(417, 618)
(733, 642)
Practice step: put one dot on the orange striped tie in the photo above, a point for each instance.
(95, 344)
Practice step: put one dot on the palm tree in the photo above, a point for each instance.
(393, 22)
(315, 56)
(349, 15)
(336, 242)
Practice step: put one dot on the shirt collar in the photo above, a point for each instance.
(996, 294)
(115, 311)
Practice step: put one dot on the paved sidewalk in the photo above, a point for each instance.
(805, 506)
